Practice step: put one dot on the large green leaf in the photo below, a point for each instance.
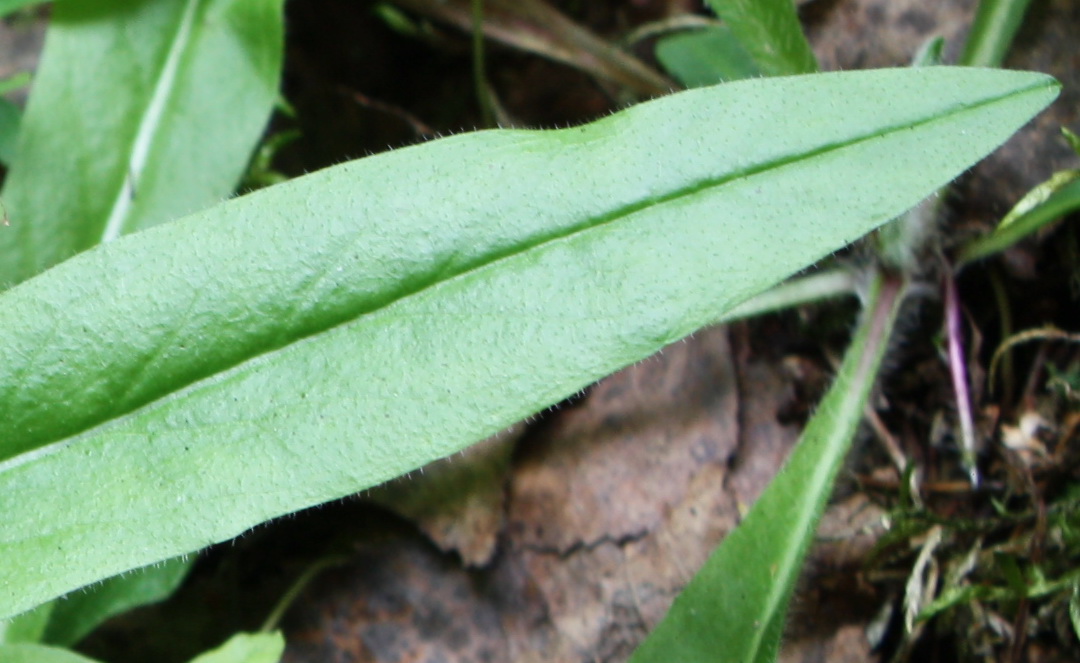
(183, 86)
(734, 608)
(178, 386)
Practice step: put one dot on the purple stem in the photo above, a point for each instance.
(958, 373)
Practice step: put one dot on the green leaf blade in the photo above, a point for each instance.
(1058, 202)
(769, 30)
(12, 6)
(996, 24)
(32, 653)
(246, 648)
(76, 615)
(309, 340)
(141, 112)
(26, 627)
(734, 608)
(10, 115)
(705, 57)
(304, 257)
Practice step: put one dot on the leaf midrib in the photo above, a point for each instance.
(489, 260)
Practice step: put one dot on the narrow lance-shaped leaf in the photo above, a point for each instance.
(1041, 206)
(734, 608)
(173, 388)
(140, 112)
(996, 24)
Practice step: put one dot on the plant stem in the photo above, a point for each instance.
(958, 373)
(294, 590)
(479, 77)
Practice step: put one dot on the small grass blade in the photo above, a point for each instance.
(992, 32)
(734, 608)
(1062, 201)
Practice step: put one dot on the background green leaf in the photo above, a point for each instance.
(1064, 200)
(14, 82)
(10, 115)
(74, 616)
(28, 626)
(770, 31)
(996, 24)
(705, 57)
(734, 608)
(312, 339)
(246, 648)
(12, 6)
(31, 653)
(9, 129)
(141, 111)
